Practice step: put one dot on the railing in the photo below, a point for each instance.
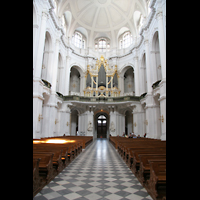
(101, 99)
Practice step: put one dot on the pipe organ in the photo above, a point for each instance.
(102, 80)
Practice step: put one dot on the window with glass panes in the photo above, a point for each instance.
(78, 40)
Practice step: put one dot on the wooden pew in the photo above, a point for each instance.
(49, 159)
(36, 177)
(45, 165)
(133, 155)
(57, 161)
(138, 153)
(65, 150)
(156, 185)
(144, 170)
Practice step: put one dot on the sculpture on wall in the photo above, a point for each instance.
(112, 127)
(89, 126)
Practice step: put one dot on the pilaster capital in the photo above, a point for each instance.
(45, 15)
(159, 14)
(135, 58)
(146, 41)
(68, 58)
(58, 41)
(146, 37)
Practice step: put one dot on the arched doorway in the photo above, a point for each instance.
(101, 126)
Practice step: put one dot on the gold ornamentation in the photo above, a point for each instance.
(161, 118)
(40, 117)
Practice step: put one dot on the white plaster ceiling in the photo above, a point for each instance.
(102, 17)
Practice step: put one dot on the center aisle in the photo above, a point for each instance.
(97, 173)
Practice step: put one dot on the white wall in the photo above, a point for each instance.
(49, 30)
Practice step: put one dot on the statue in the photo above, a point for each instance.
(112, 127)
(89, 126)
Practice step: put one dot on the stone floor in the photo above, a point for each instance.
(97, 173)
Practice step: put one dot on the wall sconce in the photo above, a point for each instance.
(56, 121)
(40, 117)
(161, 118)
(67, 123)
(135, 124)
(146, 122)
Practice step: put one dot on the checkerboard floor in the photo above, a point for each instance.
(97, 173)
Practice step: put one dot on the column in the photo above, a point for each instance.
(107, 86)
(148, 70)
(37, 114)
(35, 36)
(82, 84)
(136, 76)
(55, 66)
(139, 118)
(67, 75)
(121, 84)
(154, 67)
(162, 100)
(38, 65)
(161, 36)
(67, 119)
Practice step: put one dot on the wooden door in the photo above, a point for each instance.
(101, 128)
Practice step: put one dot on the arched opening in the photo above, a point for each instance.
(101, 126)
(47, 56)
(143, 75)
(128, 122)
(74, 122)
(129, 84)
(156, 56)
(60, 75)
(74, 88)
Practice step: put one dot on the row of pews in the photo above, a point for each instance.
(51, 155)
(146, 157)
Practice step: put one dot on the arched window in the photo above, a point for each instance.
(102, 44)
(127, 39)
(79, 40)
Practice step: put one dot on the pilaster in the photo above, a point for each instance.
(162, 100)
(39, 56)
(162, 45)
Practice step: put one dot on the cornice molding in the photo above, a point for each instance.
(149, 20)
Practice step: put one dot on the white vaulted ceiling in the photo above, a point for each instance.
(102, 17)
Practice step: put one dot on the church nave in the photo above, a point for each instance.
(97, 173)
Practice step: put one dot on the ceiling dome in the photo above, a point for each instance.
(106, 17)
